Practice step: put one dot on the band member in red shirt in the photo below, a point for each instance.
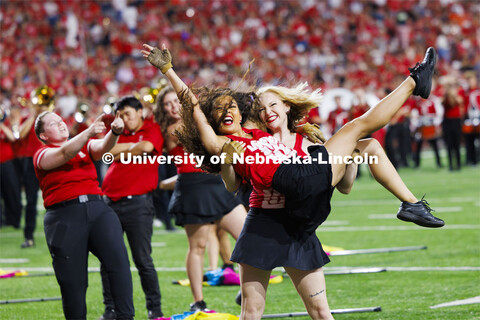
(77, 219)
(452, 124)
(129, 188)
(471, 116)
(427, 129)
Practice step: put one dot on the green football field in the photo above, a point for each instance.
(448, 270)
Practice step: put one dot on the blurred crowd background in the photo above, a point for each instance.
(88, 54)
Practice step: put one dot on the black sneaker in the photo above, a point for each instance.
(238, 298)
(28, 243)
(155, 314)
(422, 73)
(419, 213)
(109, 314)
(198, 306)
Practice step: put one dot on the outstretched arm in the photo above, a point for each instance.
(162, 60)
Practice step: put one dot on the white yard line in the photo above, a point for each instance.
(457, 303)
(330, 269)
(396, 228)
(13, 260)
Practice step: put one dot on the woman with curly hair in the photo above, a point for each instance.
(295, 196)
(199, 199)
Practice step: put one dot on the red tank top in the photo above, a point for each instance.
(263, 145)
(183, 166)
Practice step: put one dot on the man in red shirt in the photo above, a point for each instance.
(129, 188)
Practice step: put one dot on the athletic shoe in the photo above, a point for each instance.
(155, 314)
(198, 306)
(109, 314)
(419, 213)
(238, 298)
(27, 243)
(422, 73)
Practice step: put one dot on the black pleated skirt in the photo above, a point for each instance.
(272, 238)
(200, 198)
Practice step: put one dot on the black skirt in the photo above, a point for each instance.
(200, 198)
(271, 238)
(307, 188)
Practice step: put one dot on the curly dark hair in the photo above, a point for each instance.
(188, 133)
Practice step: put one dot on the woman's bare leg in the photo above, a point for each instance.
(344, 141)
(197, 240)
(225, 246)
(233, 221)
(254, 283)
(384, 171)
(213, 248)
(311, 287)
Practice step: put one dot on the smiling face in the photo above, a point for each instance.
(55, 131)
(227, 115)
(273, 111)
(133, 119)
(171, 106)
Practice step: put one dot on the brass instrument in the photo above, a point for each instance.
(109, 106)
(82, 110)
(43, 96)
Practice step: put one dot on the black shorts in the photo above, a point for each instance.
(200, 198)
(307, 188)
(272, 238)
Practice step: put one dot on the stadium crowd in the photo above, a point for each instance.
(89, 51)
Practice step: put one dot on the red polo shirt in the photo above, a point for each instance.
(131, 179)
(76, 177)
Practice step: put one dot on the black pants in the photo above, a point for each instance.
(397, 144)
(71, 232)
(452, 132)
(10, 193)
(471, 156)
(136, 218)
(30, 183)
(434, 144)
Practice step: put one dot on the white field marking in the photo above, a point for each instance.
(397, 228)
(350, 203)
(330, 269)
(335, 223)
(159, 244)
(448, 209)
(387, 216)
(457, 303)
(20, 260)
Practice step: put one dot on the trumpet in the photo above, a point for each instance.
(43, 96)
(82, 110)
(109, 106)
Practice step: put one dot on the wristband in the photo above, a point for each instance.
(166, 67)
(116, 134)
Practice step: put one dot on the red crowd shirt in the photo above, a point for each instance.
(6, 150)
(261, 175)
(72, 179)
(29, 145)
(131, 179)
(183, 166)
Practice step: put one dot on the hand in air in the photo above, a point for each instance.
(96, 127)
(161, 59)
(117, 125)
(313, 133)
(231, 148)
